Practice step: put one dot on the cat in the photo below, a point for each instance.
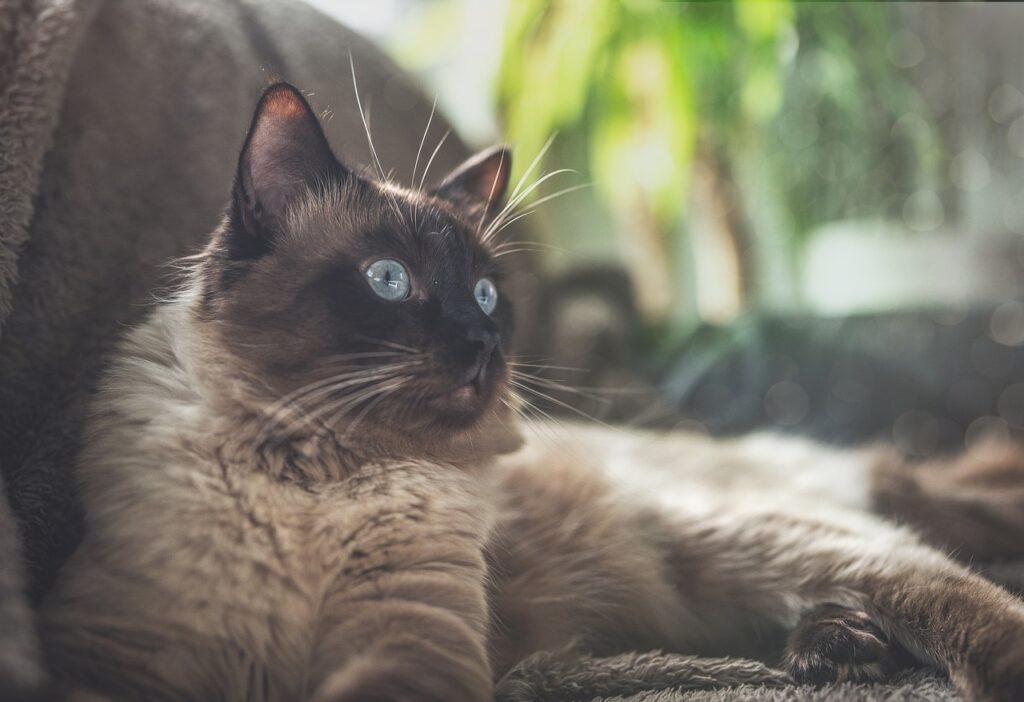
(304, 478)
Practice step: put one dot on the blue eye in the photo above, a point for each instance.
(389, 279)
(486, 295)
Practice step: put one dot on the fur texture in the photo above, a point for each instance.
(140, 108)
(388, 543)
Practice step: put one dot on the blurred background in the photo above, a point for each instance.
(796, 215)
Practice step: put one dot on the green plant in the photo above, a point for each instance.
(801, 95)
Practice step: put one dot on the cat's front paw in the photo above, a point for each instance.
(836, 644)
(408, 676)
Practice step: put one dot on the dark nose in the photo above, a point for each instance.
(481, 342)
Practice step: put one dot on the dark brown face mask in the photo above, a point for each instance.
(360, 300)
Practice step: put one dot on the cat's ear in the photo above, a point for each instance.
(285, 156)
(480, 182)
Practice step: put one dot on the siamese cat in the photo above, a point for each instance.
(303, 478)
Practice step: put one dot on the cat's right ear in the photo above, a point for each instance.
(285, 156)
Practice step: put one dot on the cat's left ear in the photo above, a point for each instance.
(480, 182)
(285, 156)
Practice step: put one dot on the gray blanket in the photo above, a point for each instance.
(657, 677)
(120, 122)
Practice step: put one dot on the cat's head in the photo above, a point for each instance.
(348, 301)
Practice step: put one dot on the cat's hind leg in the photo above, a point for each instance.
(971, 504)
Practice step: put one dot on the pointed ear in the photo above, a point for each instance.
(285, 156)
(480, 182)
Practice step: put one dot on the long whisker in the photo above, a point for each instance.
(294, 402)
(536, 204)
(341, 405)
(559, 193)
(519, 216)
(550, 384)
(545, 428)
(312, 416)
(527, 246)
(369, 139)
(604, 390)
(514, 202)
(516, 199)
(430, 161)
(490, 196)
(533, 164)
(384, 392)
(352, 372)
(416, 164)
(545, 366)
(555, 400)
(423, 140)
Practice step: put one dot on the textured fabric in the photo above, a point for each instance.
(551, 677)
(656, 677)
(38, 39)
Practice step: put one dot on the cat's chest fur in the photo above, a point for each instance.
(187, 534)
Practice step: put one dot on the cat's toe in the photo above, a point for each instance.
(836, 644)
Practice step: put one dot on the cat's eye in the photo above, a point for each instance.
(389, 279)
(486, 295)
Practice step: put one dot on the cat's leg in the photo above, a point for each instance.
(404, 617)
(971, 504)
(402, 651)
(777, 567)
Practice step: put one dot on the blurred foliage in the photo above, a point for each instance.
(652, 86)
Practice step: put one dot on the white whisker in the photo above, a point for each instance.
(299, 401)
(437, 148)
(423, 140)
(416, 165)
(533, 164)
(383, 393)
(555, 400)
(369, 139)
(490, 196)
(514, 202)
(557, 386)
(537, 203)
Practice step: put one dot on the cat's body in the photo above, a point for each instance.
(203, 576)
(243, 545)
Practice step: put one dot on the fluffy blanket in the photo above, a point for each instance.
(656, 677)
(120, 122)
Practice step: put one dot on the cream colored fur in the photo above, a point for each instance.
(205, 575)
